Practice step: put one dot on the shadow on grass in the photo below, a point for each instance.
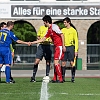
(2, 82)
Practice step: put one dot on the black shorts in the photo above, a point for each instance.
(69, 54)
(44, 51)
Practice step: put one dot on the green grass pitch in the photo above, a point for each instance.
(82, 89)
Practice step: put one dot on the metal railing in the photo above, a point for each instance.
(27, 56)
(93, 56)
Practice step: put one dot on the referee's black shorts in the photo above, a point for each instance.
(44, 51)
(69, 54)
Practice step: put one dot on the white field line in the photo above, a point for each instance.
(89, 94)
(78, 94)
(7, 93)
(44, 93)
(81, 94)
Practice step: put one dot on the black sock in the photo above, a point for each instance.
(73, 72)
(63, 72)
(47, 70)
(35, 68)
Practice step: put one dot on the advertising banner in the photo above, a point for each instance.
(35, 11)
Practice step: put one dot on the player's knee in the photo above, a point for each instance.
(63, 64)
(48, 63)
(37, 61)
(71, 63)
(0, 65)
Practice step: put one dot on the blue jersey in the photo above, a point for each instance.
(6, 37)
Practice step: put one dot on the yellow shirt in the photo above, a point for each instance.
(41, 33)
(11, 48)
(71, 37)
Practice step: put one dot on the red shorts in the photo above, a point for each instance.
(58, 53)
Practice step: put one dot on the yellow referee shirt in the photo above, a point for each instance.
(41, 33)
(71, 37)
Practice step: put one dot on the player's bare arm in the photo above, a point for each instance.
(22, 42)
(38, 41)
(63, 43)
(38, 38)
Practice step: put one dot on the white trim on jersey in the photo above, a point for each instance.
(56, 29)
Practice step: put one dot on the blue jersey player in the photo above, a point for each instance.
(6, 37)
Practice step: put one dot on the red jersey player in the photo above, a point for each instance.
(58, 39)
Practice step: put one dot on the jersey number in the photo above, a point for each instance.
(3, 36)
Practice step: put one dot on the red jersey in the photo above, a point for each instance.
(55, 33)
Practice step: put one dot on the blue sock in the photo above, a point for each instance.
(0, 74)
(7, 72)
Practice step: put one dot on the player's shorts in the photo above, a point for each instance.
(5, 55)
(69, 54)
(44, 51)
(58, 53)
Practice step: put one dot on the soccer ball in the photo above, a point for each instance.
(46, 81)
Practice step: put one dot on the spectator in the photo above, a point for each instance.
(18, 59)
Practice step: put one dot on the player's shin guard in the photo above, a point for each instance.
(7, 72)
(63, 72)
(47, 70)
(35, 68)
(58, 70)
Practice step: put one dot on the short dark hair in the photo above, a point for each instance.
(47, 18)
(2, 24)
(10, 23)
(67, 19)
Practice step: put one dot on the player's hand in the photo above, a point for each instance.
(32, 43)
(12, 54)
(64, 49)
(76, 54)
(28, 43)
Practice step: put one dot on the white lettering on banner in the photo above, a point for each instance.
(52, 11)
(21, 11)
(57, 11)
(94, 11)
(38, 11)
(79, 11)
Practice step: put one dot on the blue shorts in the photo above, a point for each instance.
(5, 55)
(44, 51)
(69, 54)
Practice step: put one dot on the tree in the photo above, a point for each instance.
(24, 31)
(60, 24)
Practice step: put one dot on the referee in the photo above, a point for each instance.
(43, 50)
(71, 44)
